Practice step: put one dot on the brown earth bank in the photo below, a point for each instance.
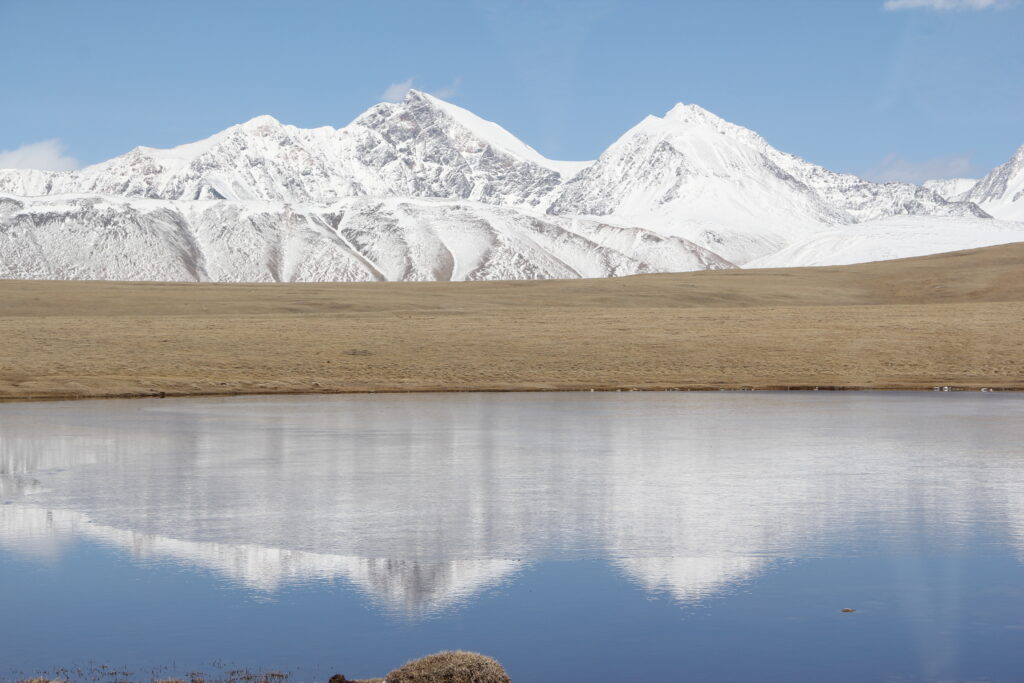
(948, 320)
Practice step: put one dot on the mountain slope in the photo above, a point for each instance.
(893, 238)
(687, 190)
(1001, 192)
(695, 175)
(950, 188)
(355, 239)
(421, 147)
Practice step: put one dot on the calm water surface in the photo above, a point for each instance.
(575, 537)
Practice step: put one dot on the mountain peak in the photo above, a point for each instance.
(691, 118)
(688, 174)
(1001, 192)
(424, 99)
(690, 112)
(260, 121)
(413, 95)
(488, 132)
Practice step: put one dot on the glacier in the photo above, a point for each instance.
(425, 190)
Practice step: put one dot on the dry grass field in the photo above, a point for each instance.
(945, 320)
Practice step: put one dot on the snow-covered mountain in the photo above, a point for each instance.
(950, 188)
(1001, 192)
(421, 147)
(893, 238)
(435, 192)
(354, 239)
(723, 186)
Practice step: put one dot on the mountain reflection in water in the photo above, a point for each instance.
(424, 501)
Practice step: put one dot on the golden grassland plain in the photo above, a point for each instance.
(952, 320)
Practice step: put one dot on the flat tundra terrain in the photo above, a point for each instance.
(953, 320)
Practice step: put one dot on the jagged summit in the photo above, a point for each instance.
(421, 147)
(491, 133)
(426, 147)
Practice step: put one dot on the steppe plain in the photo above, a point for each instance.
(948, 320)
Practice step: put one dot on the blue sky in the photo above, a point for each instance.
(884, 88)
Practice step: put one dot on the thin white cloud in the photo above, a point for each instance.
(47, 155)
(448, 91)
(896, 169)
(947, 5)
(396, 91)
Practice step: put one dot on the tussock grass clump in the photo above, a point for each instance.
(450, 667)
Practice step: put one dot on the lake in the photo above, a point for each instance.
(574, 537)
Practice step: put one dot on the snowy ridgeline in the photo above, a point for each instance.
(425, 190)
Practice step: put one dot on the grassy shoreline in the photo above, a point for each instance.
(513, 390)
(450, 666)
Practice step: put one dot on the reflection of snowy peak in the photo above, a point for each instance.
(1001, 192)
(416, 587)
(293, 490)
(691, 579)
(409, 587)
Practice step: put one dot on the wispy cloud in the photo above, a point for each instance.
(396, 91)
(896, 169)
(47, 155)
(448, 91)
(947, 5)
